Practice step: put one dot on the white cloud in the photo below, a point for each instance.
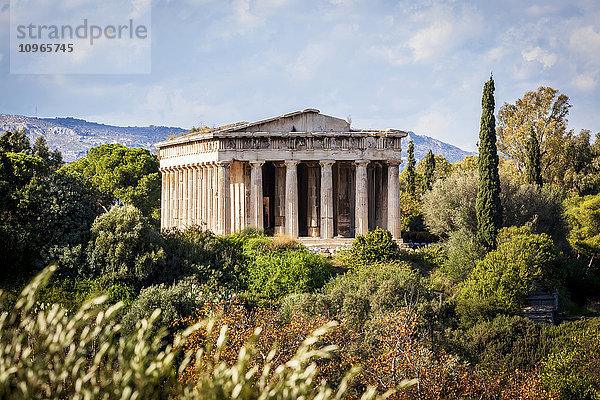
(544, 57)
(448, 31)
(586, 41)
(584, 82)
(310, 60)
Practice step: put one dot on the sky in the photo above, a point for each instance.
(410, 65)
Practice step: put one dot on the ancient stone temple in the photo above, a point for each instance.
(303, 174)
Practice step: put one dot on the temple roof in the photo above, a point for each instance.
(309, 120)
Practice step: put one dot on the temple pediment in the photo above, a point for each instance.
(307, 120)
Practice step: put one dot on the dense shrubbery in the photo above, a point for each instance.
(52, 354)
(364, 294)
(522, 262)
(216, 261)
(124, 246)
(277, 268)
(450, 206)
(176, 302)
(376, 246)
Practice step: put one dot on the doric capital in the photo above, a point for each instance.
(291, 163)
(393, 163)
(257, 163)
(326, 162)
(223, 163)
(362, 163)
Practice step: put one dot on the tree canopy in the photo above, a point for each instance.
(122, 175)
(544, 110)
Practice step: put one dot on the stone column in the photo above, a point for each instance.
(194, 219)
(312, 214)
(393, 199)
(214, 205)
(224, 202)
(279, 199)
(177, 221)
(205, 191)
(171, 216)
(163, 197)
(256, 195)
(291, 198)
(361, 216)
(327, 199)
(190, 200)
(184, 197)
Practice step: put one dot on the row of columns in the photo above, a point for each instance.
(200, 192)
(196, 194)
(327, 200)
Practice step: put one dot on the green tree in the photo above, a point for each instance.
(53, 159)
(583, 214)
(122, 175)
(429, 174)
(488, 206)
(124, 246)
(411, 186)
(22, 197)
(216, 261)
(533, 168)
(546, 111)
(450, 206)
(521, 262)
(15, 142)
(581, 166)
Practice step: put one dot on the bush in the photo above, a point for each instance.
(365, 293)
(463, 251)
(522, 262)
(124, 246)
(571, 369)
(374, 247)
(502, 345)
(216, 261)
(274, 272)
(72, 292)
(176, 302)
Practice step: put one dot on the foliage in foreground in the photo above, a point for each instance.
(397, 355)
(48, 353)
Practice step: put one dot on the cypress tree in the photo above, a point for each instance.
(488, 206)
(533, 167)
(429, 174)
(410, 170)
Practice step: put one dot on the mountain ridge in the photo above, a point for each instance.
(75, 136)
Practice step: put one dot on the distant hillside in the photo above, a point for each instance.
(424, 143)
(74, 137)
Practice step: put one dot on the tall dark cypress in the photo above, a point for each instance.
(411, 187)
(533, 162)
(488, 206)
(429, 174)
